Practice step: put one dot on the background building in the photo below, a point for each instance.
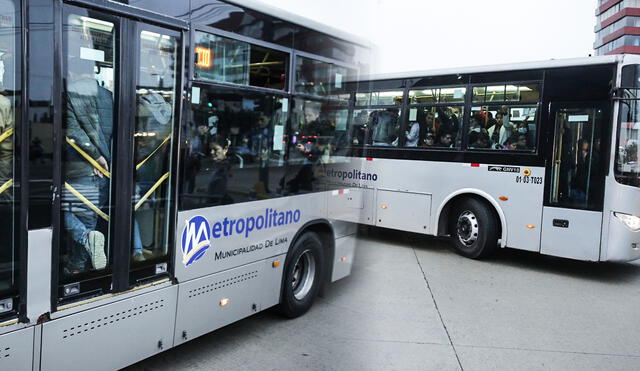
(617, 27)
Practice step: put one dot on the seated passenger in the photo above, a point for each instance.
(522, 144)
(446, 140)
(429, 140)
(479, 140)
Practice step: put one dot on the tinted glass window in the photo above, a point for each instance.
(627, 164)
(242, 21)
(222, 59)
(503, 127)
(178, 9)
(153, 140)
(437, 95)
(507, 93)
(234, 147)
(314, 42)
(374, 127)
(10, 56)
(322, 79)
(434, 127)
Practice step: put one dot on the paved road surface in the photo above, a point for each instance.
(412, 304)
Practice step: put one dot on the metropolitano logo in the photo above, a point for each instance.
(196, 240)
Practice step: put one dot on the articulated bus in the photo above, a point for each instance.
(161, 173)
(532, 156)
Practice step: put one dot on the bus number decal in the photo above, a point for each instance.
(528, 179)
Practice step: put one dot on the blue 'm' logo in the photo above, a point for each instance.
(196, 239)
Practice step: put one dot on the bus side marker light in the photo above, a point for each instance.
(224, 302)
(343, 259)
(276, 263)
(526, 172)
(531, 226)
(384, 207)
(503, 198)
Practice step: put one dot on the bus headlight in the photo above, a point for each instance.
(631, 221)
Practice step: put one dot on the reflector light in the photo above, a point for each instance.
(475, 165)
(631, 221)
(530, 226)
(384, 207)
(224, 302)
(276, 263)
(343, 259)
(503, 198)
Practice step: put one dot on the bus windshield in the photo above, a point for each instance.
(627, 170)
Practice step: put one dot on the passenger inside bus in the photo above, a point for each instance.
(430, 139)
(89, 127)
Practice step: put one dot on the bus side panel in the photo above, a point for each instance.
(214, 301)
(224, 252)
(522, 196)
(16, 350)
(111, 336)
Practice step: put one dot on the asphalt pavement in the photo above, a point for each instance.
(413, 304)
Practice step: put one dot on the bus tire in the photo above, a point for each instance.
(303, 274)
(474, 229)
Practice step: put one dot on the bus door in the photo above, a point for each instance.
(120, 109)
(572, 215)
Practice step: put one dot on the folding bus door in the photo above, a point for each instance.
(112, 285)
(572, 217)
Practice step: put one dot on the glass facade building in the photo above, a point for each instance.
(617, 27)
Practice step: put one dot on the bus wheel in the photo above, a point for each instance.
(474, 228)
(302, 275)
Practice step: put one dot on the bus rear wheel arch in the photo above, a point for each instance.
(474, 227)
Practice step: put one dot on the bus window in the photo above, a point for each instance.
(313, 77)
(374, 127)
(438, 95)
(319, 131)
(436, 127)
(222, 59)
(527, 92)
(578, 179)
(627, 165)
(89, 129)
(234, 147)
(154, 123)
(386, 98)
(9, 93)
(503, 127)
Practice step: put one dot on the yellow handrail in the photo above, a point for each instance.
(6, 185)
(151, 190)
(86, 201)
(90, 159)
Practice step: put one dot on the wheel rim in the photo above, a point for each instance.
(467, 228)
(304, 273)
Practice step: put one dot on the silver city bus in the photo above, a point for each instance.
(159, 167)
(534, 156)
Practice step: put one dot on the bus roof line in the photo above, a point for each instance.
(552, 63)
(263, 7)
